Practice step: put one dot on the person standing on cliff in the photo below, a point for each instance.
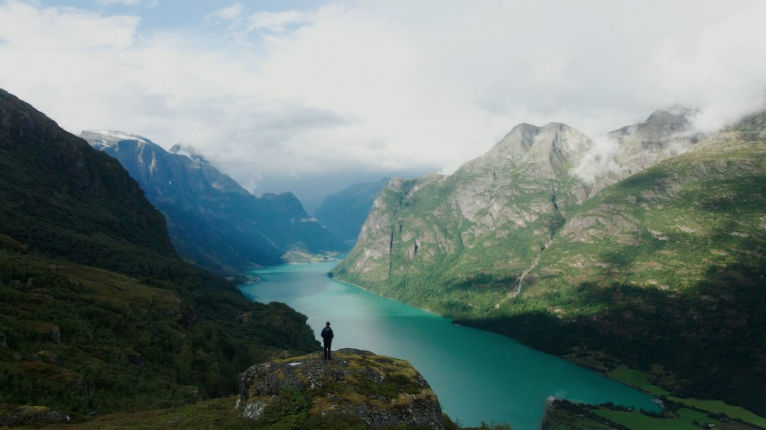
(327, 338)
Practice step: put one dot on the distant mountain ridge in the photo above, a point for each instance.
(211, 219)
(344, 212)
(636, 264)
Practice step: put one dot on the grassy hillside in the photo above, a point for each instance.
(97, 314)
(665, 270)
(85, 339)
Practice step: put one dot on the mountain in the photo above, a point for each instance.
(97, 313)
(494, 214)
(658, 265)
(58, 195)
(211, 219)
(344, 212)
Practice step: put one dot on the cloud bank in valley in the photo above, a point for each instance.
(377, 88)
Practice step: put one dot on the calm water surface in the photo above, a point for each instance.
(477, 375)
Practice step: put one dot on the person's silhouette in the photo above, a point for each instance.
(327, 338)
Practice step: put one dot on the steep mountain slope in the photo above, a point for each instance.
(484, 224)
(663, 271)
(96, 311)
(667, 267)
(58, 195)
(344, 212)
(211, 219)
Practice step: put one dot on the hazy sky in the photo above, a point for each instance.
(311, 96)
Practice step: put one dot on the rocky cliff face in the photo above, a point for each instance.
(354, 387)
(211, 219)
(494, 215)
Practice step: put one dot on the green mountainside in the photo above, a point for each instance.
(211, 219)
(59, 197)
(344, 212)
(97, 313)
(663, 271)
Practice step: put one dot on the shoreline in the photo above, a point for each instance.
(656, 400)
(398, 301)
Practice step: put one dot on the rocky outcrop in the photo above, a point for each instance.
(380, 391)
(32, 416)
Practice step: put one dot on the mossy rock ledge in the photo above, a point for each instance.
(355, 386)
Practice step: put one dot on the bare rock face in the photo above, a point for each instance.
(380, 391)
(34, 416)
(511, 199)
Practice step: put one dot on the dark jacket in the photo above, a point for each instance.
(327, 334)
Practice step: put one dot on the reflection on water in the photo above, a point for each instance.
(477, 375)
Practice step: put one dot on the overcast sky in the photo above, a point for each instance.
(311, 96)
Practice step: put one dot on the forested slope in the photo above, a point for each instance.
(96, 311)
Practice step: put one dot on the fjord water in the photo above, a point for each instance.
(477, 375)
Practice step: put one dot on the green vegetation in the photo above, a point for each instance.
(663, 273)
(636, 379)
(574, 416)
(686, 419)
(220, 414)
(84, 339)
(211, 414)
(721, 408)
(640, 380)
(97, 314)
(564, 415)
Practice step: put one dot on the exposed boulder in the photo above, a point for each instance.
(380, 391)
(54, 335)
(31, 416)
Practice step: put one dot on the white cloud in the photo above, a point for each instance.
(229, 13)
(723, 73)
(391, 86)
(277, 21)
(150, 3)
(600, 161)
(24, 26)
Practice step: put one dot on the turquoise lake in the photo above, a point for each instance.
(477, 375)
